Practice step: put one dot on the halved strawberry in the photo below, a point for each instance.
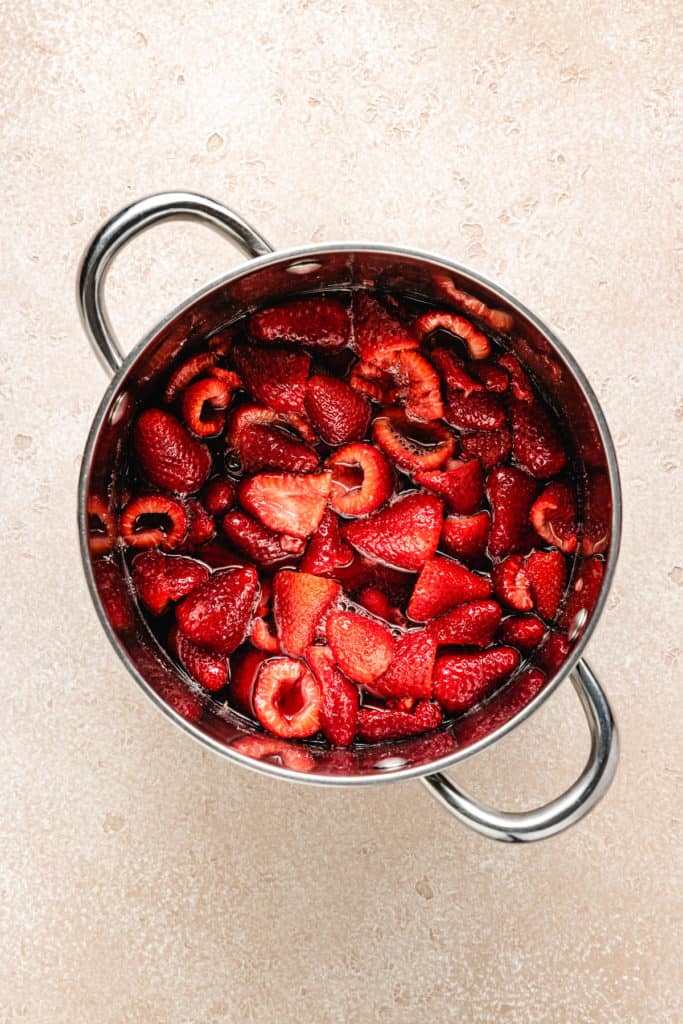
(201, 526)
(379, 337)
(524, 631)
(405, 534)
(455, 376)
(168, 455)
(273, 448)
(554, 652)
(321, 323)
(256, 542)
(362, 647)
(495, 318)
(217, 614)
(553, 516)
(203, 405)
(461, 484)
(512, 583)
(369, 572)
(362, 479)
(442, 584)
(340, 700)
(299, 602)
(536, 443)
(218, 496)
(246, 416)
(378, 724)
(246, 668)
(272, 750)
(263, 638)
(491, 447)
(102, 533)
(597, 514)
(338, 413)
(410, 672)
(584, 593)
(287, 698)
(326, 550)
(152, 521)
(274, 376)
(466, 536)
(195, 366)
(410, 445)
(113, 594)
(520, 385)
(210, 670)
(511, 492)
(471, 625)
(480, 411)
(492, 376)
(287, 503)
(160, 579)
(421, 386)
(478, 345)
(461, 680)
(219, 555)
(547, 575)
(376, 602)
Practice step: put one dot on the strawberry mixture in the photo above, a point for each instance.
(351, 518)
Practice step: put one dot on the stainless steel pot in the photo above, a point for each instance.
(269, 277)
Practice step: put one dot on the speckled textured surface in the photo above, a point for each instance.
(145, 879)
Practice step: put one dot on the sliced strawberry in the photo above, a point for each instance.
(461, 484)
(299, 602)
(583, 594)
(480, 411)
(218, 496)
(375, 601)
(422, 399)
(523, 631)
(326, 550)
(245, 672)
(455, 376)
(371, 381)
(263, 607)
(196, 366)
(160, 579)
(340, 700)
(246, 416)
(153, 521)
(511, 492)
(554, 652)
(471, 625)
(263, 638)
(210, 670)
(378, 724)
(322, 323)
(113, 595)
(287, 503)
(442, 584)
(217, 614)
(219, 555)
(512, 583)
(405, 534)
(273, 448)
(461, 680)
(362, 647)
(553, 516)
(495, 318)
(491, 447)
(362, 479)
(547, 575)
(536, 443)
(102, 532)
(597, 514)
(203, 405)
(168, 455)
(287, 699)
(520, 385)
(492, 376)
(202, 527)
(466, 536)
(478, 345)
(366, 572)
(256, 542)
(379, 337)
(410, 445)
(274, 376)
(338, 413)
(410, 672)
(290, 755)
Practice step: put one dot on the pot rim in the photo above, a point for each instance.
(411, 771)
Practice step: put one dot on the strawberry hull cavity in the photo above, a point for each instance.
(351, 517)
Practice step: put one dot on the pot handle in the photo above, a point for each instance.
(130, 222)
(565, 810)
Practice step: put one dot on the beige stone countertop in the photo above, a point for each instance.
(144, 879)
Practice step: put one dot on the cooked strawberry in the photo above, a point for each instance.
(263, 607)
(378, 724)
(293, 756)
(326, 550)
(379, 337)
(405, 534)
(492, 376)
(274, 376)
(243, 682)
(491, 447)
(536, 443)
(153, 521)
(583, 594)
(512, 583)
(368, 572)
(218, 496)
(461, 484)
(547, 575)
(520, 385)
(553, 516)
(362, 479)
(178, 697)
(160, 579)
(202, 527)
(198, 365)
(495, 318)
(219, 555)
(524, 631)
(203, 405)
(362, 647)
(422, 387)
(410, 445)
(221, 342)
(113, 595)
(217, 614)
(322, 323)
(263, 638)
(168, 455)
(480, 411)
(410, 672)
(299, 602)
(273, 448)
(337, 412)
(102, 531)
(455, 376)
(478, 345)
(340, 700)
(597, 514)
(442, 584)
(375, 601)
(287, 698)
(471, 625)
(246, 416)
(554, 652)
(255, 541)
(461, 680)
(287, 503)
(511, 492)
(373, 382)
(210, 670)
(466, 536)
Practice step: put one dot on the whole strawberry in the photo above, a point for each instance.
(217, 614)
(168, 455)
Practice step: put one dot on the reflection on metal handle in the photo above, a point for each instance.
(130, 222)
(562, 812)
